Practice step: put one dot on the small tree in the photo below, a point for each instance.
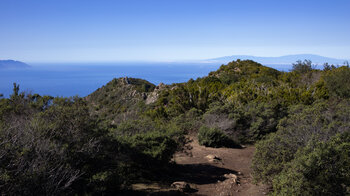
(303, 66)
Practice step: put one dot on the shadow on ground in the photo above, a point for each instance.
(191, 173)
(200, 173)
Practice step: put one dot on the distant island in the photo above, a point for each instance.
(287, 59)
(11, 64)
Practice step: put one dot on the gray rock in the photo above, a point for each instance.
(181, 186)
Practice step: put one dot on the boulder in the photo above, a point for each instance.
(213, 158)
(232, 178)
(181, 186)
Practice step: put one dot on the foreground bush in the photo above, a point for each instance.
(320, 121)
(213, 137)
(321, 168)
(52, 146)
(337, 81)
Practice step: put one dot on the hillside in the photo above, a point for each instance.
(244, 123)
(120, 96)
(11, 64)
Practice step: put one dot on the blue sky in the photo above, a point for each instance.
(168, 30)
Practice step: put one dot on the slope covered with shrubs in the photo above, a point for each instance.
(128, 130)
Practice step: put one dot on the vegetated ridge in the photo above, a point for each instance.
(132, 137)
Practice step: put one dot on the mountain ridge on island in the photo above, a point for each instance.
(286, 59)
(12, 64)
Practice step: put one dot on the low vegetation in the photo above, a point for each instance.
(128, 131)
(214, 137)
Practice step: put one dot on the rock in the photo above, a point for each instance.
(153, 96)
(232, 177)
(236, 69)
(160, 86)
(126, 80)
(181, 186)
(213, 158)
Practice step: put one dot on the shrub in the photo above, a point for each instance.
(53, 150)
(302, 66)
(337, 82)
(321, 168)
(157, 145)
(322, 120)
(213, 137)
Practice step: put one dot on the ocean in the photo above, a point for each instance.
(82, 79)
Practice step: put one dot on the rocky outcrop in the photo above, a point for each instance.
(153, 96)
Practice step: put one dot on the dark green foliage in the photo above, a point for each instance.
(247, 122)
(52, 146)
(48, 151)
(321, 168)
(212, 137)
(320, 121)
(303, 66)
(158, 145)
(338, 81)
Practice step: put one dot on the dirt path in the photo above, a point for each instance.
(207, 175)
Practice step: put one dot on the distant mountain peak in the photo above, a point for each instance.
(286, 59)
(12, 64)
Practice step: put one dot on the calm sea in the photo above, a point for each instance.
(82, 79)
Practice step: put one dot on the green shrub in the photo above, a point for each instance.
(303, 66)
(213, 137)
(157, 145)
(320, 121)
(337, 82)
(321, 168)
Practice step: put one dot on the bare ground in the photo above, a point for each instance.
(230, 160)
(206, 176)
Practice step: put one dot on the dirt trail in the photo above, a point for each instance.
(207, 175)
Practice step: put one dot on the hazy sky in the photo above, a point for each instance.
(161, 30)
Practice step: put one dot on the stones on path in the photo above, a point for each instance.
(233, 178)
(213, 158)
(229, 185)
(182, 186)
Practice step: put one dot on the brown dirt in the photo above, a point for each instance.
(207, 177)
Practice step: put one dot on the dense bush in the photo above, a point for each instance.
(337, 82)
(52, 149)
(321, 168)
(53, 146)
(212, 137)
(320, 121)
(158, 145)
(245, 123)
(303, 66)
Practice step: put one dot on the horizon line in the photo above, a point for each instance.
(207, 60)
